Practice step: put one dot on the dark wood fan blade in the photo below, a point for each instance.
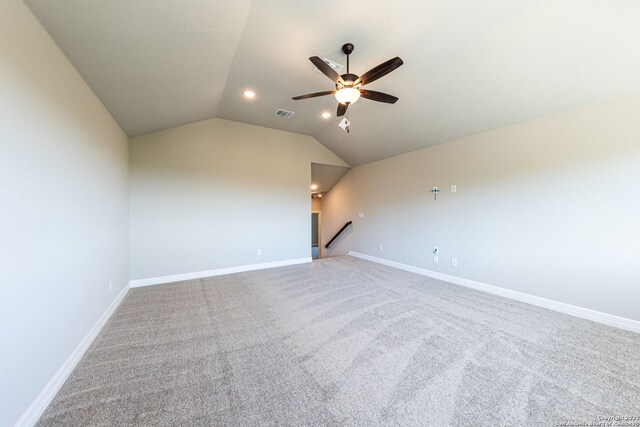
(313, 95)
(342, 109)
(378, 96)
(379, 71)
(326, 69)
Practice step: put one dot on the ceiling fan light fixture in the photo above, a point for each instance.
(348, 95)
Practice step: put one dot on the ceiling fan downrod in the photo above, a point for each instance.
(347, 48)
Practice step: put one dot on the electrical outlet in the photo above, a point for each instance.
(110, 285)
(259, 252)
(381, 248)
(454, 262)
(360, 214)
(454, 188)
(435, 258)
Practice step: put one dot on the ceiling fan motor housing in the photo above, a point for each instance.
(348, 79)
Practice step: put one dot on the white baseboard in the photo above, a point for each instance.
(217, 272)
(584, 313)
(37, 407)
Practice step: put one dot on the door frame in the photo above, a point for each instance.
(319, 233)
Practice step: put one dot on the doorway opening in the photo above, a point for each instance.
(323, 178)
(316, 232)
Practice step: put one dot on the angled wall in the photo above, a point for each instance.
(63, 209)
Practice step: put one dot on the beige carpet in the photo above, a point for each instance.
(345, 342)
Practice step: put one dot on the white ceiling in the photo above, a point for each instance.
(326, 176)
(470, 66)
(154, 64)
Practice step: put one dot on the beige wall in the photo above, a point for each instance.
(316, 204)
(210, 194)
(63, 209)
(549, 207)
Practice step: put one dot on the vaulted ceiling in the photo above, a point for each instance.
(470, 66)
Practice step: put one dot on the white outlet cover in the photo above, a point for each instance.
(381, 248)
(259, 252)
(360, 214)
(435, 258)
(454, 262)
(454, 188)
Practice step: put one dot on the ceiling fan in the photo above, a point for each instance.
(349, 86)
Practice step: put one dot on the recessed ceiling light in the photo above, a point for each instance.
(314, 186)
(319, 195)
(249, 93)
(326, 115)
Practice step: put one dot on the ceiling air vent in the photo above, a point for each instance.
(284, 113)
(337, 67)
